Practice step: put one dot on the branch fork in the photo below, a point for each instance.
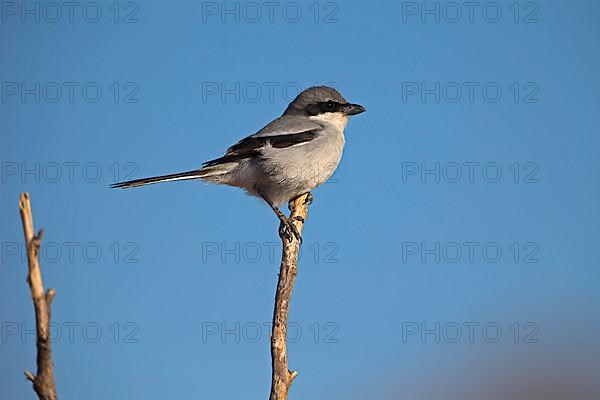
(43, 383)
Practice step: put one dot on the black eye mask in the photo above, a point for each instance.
(323, 107)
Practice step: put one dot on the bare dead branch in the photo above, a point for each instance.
(43, 382)
(282, 377)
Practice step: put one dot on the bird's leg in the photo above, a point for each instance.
(286, 227)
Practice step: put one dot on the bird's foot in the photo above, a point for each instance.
(308, 201)
(288, 230)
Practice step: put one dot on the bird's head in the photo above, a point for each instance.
(323, 102)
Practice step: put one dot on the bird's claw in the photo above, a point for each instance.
(288, 230)
(307, 202)
(309, 199)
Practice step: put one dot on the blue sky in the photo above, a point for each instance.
(455, 245)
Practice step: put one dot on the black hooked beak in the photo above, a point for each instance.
(353, 109)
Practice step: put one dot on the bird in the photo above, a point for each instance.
(287, 158)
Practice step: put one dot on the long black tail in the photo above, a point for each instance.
(196, 174)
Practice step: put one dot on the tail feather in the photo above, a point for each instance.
(196, 174)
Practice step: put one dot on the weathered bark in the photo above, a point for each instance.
(282, 377)
(43, 382)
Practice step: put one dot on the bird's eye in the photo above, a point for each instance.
(330, 104)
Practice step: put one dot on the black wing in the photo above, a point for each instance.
(251, 146)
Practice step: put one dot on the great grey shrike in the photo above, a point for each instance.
(287, 158)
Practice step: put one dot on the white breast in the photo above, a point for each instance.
(294, 170)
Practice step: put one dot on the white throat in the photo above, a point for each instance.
(337, 119)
